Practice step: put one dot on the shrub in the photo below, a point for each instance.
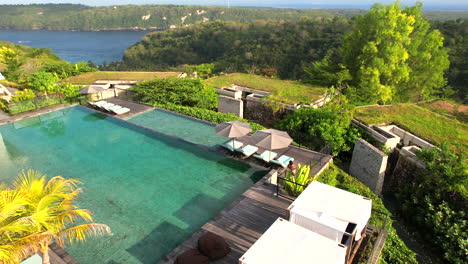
(303, 178)
(395, 250)
(434, 201)
(23, 95)
(317, 127)
(3, 105)
(65, 69)
(207, 115)
(185, 92)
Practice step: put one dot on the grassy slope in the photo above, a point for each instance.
(419, 120)
(91, 77)
(287, 91)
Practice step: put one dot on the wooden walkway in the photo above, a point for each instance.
(242, 223)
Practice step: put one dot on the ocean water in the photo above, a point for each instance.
(151, 190)
(74, 46)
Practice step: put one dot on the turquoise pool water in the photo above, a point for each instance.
(153, 191)
(194, 131)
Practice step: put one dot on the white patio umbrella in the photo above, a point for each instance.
(233, 129)
(271, 139)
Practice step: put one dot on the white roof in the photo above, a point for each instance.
(322, 206)
(285, 242)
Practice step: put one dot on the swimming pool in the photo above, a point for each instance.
(153, 191)
(195, 131)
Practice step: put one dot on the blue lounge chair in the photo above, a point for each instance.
(247, 151)
(229, 145)
(266, 156)
(282, 161)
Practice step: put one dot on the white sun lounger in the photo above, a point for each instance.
(107, 106)
(229, 145)
(266, 156)
(282, 161)
(247, 151)
(121, 111)
(99, 103)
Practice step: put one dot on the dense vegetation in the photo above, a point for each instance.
(391, 55)
(285, 46)
(434, 200)
(395, 250)
(16, 61)
(329, 125)
(185, 92)
(80, 17)
(312, 50)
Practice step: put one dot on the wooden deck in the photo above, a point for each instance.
(317, 160)
(242, 223)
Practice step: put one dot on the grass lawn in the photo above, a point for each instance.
(281, 90)
(91, 77)
(419, 120)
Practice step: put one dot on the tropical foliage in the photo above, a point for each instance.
(179, 91)
(434, 200)
(285, 46)
(36, 211)
(295, 184)
(316, 128)
(42, 81)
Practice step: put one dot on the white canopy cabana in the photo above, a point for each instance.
(285, 242)
(328, 211)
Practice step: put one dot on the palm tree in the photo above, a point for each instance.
(45, 211)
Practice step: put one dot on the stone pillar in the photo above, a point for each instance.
(231, 105)
(368, 165)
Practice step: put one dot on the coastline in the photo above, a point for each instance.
(88, 30)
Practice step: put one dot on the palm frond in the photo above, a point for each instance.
(81, 232)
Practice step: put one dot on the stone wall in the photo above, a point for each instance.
(368, 165)
(231, 105)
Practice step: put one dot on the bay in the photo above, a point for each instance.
(74, 46)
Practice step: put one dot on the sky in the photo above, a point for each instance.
(429, 4)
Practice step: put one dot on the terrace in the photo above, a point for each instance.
(246, 219)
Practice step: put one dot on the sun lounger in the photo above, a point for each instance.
(282, 161)
(121, 111)
(114, 108)
(247, 151)
(99, 103)
(229, 145)
(266, 156)
(107, 106)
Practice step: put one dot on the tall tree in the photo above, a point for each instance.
(392, 55)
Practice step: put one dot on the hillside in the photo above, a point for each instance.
(284, 47)
(32, 58)
(80, 17)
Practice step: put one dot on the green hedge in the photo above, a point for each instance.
(395, 250)
(207, 115)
